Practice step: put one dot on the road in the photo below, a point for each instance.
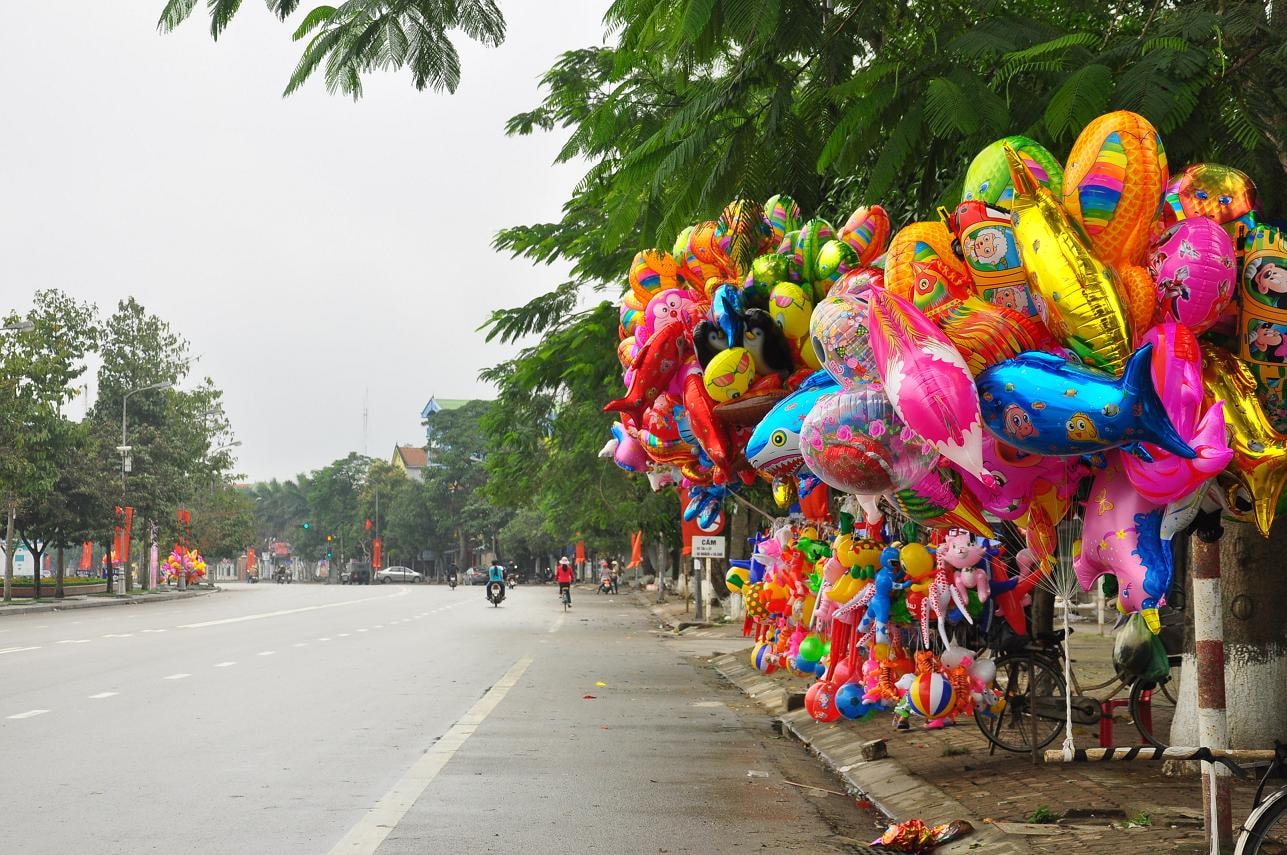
(389, 719)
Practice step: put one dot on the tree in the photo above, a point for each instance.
(410, 524)
(358, 37)
(37, 370)
(455, 478)
(223, 521)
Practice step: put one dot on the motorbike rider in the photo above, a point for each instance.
(453, 575)
(496, 573)
(564, 577)
(616, 576)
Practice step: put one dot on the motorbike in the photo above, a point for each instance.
(451, 581)
(495, 593)
(605, 585)
(281, 577)
(252, 578)
(511, 580)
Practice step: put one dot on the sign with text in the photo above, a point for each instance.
(707, 546)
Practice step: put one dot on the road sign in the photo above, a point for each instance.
(705, 546)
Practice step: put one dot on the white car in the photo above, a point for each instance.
(398, 574)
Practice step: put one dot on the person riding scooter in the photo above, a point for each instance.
(453, 576)
(495, 582)
(605, 578)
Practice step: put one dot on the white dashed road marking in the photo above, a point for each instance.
(16, 649)
(224, 664)
(267, 652)
(102, 695)
(29, 714)
(75, 641)
(178, 676)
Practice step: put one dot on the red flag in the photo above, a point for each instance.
(86, 555)
(250, 559)
(376, 556)
(580, 552)
(368, 525)
(636, 550)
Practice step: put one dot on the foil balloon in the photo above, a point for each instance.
(838, 332)
(1259, 452)
(625, 450)
(1113, 184)
(710, 432)
(1193, 268)
(1262, 317)
(983, 333)
(659, 431)
(1043, 404)
(866, 232)
(705, 254)
(1020, 475)
(835, 259)
(856, 283)
(813, 235)
(1222, 194)
(783, 216)
(665, 307)
(743, 233)
(632, 314)
(940, 500)
(1122, 536)
(726, 311)
(855, 443)
(988, 178)
(790, 307)
(1083, 307)
(1177, 375)
(774, 446)
(927, 381)
(987, 245)
(729, 374)
(918, 242)
(651, 271)
(656, 364)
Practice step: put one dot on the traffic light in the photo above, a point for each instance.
(330, 537)
(307, 526)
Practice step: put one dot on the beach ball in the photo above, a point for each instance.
(790, 308)
(931, 695)
(736, 578)
(849, 700)
(729, 374)
(762, 658)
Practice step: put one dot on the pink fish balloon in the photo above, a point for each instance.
(927, 381)
(1122, 536)
(1177, 373)
(1019, 475)
(1194, 271)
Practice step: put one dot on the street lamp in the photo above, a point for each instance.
(125, 449)
(18, 326)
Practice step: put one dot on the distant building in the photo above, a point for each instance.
(412, 460)
(437, 405)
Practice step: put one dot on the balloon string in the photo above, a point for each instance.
(1068, 746)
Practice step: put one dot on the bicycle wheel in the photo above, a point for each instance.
(1153, 704)
(1268, 834)
(1033, 715)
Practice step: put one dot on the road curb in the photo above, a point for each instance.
(886, 783)
(165, 597)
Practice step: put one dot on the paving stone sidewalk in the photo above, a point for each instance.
(1119, 808)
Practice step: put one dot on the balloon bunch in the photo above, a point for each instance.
(184, 563)
(1031, 356)
(844, 612)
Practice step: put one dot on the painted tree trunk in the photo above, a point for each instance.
(1254, 600)
(8, 551)
(62, 568)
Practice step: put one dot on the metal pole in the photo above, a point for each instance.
(1213, 726)
(699, 608)
(125, 565)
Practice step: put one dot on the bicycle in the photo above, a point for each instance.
(565, 594)
(1030, 683)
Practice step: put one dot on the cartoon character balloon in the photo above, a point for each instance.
(1222, 194)
(1262, 318)
(838, 332)
(1194, 270)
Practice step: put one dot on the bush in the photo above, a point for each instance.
(48, 581)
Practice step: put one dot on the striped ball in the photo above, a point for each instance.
(762, 658)
(931, 695)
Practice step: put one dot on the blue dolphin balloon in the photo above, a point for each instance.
(774, 446)
(726, 309)
(1040, 403)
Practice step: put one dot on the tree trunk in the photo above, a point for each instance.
(59, 593)
(8, 552)
(1255, 642)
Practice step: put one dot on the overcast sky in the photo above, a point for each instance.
(310, 248)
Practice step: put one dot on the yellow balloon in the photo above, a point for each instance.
(784, 492)
(806, 611)
(791, 308)
(843, 547)
(808, 352)
(880, 651)
(916, 560)
(868, 556)
(1259, 452)
(1082, 300)
(729, 374)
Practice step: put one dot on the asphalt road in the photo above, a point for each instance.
(390, 719)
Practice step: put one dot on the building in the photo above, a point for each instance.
(412, 460)
(437, 405)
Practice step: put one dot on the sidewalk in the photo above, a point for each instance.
(1119, 808)
(94, 601)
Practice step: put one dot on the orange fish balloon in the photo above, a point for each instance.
(1081, 302)
(918, 242)
(1113, 185)
(1259, 452)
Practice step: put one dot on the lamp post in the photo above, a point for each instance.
(18, 326)
(125, 468)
